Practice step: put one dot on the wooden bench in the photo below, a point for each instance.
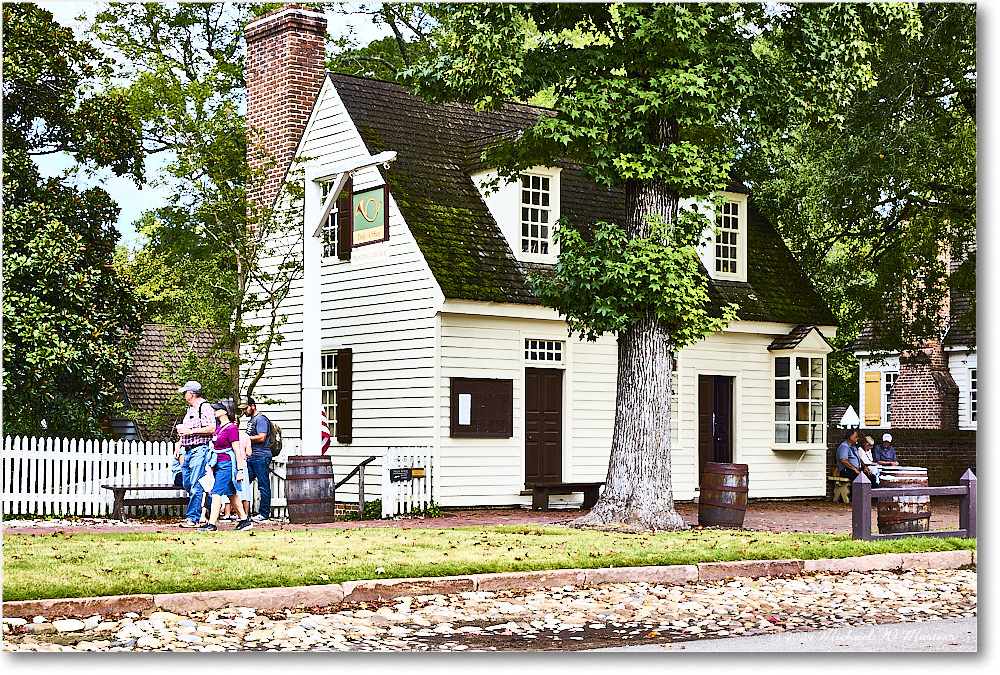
(540, 493)
(841, 486)
(120, 501)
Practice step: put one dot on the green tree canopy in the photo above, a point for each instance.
(887, 197)
(70, 321)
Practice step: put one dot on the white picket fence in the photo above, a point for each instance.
(63, 476)
(402, 497)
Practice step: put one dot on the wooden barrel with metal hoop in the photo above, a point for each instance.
(309, 489)
(907, 513)
(722, 500)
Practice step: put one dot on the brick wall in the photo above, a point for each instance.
(924, 396)
(945, 453)
(284, 73)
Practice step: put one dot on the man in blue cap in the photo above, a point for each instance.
(259, 462)
(195, 433)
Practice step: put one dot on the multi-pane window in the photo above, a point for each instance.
(799, 399)
(329, 228)
(536, 211)
(328, 385)
(972, 395)
(543, 350)
(888, 379)
(727, 239)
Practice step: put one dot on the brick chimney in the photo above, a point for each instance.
(925, 395)
(284, 73)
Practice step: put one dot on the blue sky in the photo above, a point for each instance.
(132, 200)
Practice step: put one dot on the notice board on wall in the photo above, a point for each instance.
(482, 407)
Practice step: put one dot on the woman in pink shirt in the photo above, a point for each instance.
(230, 468)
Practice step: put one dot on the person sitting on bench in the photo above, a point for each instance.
(848, 460)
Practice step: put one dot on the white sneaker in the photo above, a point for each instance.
(257, 518)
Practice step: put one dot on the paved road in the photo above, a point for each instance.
(944, 635)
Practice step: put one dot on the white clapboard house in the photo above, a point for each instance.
(424, 330)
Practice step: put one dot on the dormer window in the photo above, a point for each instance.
(728, 238)
(723, 250)
(536, 223)
(526, 209)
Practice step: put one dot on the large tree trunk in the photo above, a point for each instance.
(639, 492)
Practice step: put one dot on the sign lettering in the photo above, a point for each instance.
(370, 219)
(400, 475)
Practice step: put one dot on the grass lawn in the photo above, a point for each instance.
(80, 565)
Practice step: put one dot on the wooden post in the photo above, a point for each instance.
(861, 505)
(967, 505)
(361, 492)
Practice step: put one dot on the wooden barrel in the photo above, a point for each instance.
(309, 489)
(908, 513)
(722, 501)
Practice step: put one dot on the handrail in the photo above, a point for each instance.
(361, 484)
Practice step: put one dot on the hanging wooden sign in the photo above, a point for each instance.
(370, 216)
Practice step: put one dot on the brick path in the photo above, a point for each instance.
(774, 516)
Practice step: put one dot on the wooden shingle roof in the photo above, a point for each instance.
(794, 338)
(439, 146)
(160, 348)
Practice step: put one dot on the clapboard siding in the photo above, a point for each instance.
(489, 470)
(959, 364)
(384, 310)
(745, 356)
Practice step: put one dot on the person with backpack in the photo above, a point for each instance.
(260, 430)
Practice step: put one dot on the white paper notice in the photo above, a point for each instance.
(465, 409)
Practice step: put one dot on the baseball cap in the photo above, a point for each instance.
(250, 402)
(190, 385)
(887, 437)
(219, 406)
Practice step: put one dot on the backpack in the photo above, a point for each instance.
(274, 438)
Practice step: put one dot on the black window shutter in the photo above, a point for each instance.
(344, 230)
(345, 395)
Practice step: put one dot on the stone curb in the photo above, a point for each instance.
(502, 581)
(718, 571)
(273, 599)
(385, 589)
(108, 604)
(936, 560)
(863, 563)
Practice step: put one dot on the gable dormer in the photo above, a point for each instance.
(723, 250)
(526, 211)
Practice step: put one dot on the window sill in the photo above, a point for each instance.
(546, 258)
(798, 447)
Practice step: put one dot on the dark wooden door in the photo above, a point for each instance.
(543, 425)
(715, 420)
